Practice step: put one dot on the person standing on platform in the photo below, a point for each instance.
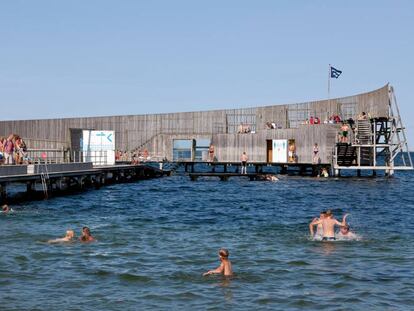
(315, 158)
(9, 150)
(211, 152)
(344, 132)
(243, 160)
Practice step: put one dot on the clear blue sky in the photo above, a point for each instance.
(89, 58)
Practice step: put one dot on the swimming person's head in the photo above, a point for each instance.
(322, 215)
(70, 234)
(345, 229)
(224, 253)
(5, 208)
(329, 213)
(86, 231)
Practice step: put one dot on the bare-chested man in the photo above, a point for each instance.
(225, 266)
(328, 226)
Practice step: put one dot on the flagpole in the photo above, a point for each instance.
(329, 89)
(329, 82)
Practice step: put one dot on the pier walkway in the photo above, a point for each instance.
(53, 178)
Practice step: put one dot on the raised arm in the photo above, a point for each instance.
(313, 223)
(344, 219)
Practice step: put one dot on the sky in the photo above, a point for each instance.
(100, 57)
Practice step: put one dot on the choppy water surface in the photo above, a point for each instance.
(157, 237)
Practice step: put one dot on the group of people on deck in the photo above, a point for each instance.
(13, 150)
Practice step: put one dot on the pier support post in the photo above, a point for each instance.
(3, 193)
(359, 173)
(29, 187)
(374, 173)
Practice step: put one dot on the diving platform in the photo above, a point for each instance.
(376, 143)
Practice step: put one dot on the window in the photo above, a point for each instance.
(348, 110)
(183, 149)
(297, 114)
(243, 120)
(201, 150)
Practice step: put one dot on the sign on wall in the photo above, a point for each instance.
(98, 147)
(279, 150)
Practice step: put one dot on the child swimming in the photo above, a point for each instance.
(225, 266)
(70, 235)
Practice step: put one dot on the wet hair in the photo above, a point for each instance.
(224, 253)
(328, 213)
(346, 227)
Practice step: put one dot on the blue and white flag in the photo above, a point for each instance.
(335, 73)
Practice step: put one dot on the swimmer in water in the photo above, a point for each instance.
(225, 266)
(70, 235)
(328, 226)
(344, 231)
(319, 229)
(5, 209)
(86, 235)
(270, 177)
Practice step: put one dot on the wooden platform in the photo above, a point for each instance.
(58, 177)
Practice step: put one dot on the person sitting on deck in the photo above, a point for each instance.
(328, 226)
(225, 265)
(363, 116)
(86, 235)
(70, 235)
(324, 172)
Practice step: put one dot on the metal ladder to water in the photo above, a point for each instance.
(44, 176)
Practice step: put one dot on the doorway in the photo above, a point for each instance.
(269, 151)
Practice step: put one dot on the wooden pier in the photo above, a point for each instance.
(253, 168)
(57, 178)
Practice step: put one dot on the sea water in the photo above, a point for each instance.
(157, 237)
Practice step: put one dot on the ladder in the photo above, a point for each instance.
(363, 132)
(44, 176)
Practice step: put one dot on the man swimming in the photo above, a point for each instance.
(70, 234)
(225, 266)
(328, 226)
(86, 235)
